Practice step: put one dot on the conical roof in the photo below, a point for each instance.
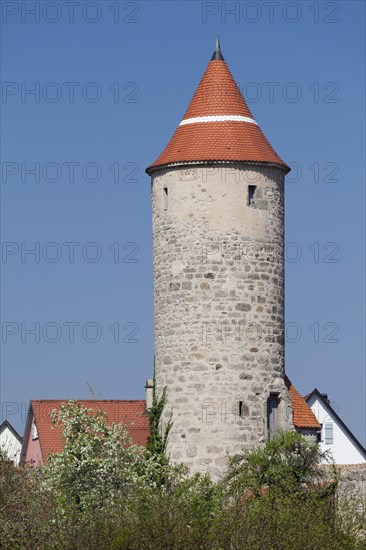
(218, 125)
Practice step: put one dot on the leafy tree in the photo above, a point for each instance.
(279, 497)
(286, 464)
(98, 461)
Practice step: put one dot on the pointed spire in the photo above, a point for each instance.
(217, 55)
(218, 125)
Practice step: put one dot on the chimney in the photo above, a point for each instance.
(149, 394)
(325, 397)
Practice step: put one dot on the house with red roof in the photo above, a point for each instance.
(42, 438)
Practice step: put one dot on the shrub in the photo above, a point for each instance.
(102, 493)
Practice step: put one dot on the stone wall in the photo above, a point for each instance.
(352, 481)
(219, 307)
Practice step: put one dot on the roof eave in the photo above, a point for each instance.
(315, 428)
(154, 168)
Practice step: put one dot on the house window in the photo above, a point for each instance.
(251, 192)
(34, 431)
(272, 415)
(165, 198)
(328, 433)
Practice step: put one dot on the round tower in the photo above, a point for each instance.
(218, 253)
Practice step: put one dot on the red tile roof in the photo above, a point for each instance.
(196, 141)
(129, 413)
(303, 416)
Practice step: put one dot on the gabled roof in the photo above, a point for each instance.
(218, 125)
(129, 413)
(325, 401)
(6, 424)
(303, 416)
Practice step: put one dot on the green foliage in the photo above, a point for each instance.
(289, 522)
(286, 464)
(102, 493)
(157, 442)
(161, 472)
(26, 510)
(98, 464)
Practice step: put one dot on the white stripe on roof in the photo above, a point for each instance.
(218, 118)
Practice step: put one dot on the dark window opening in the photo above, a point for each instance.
(242, 409)
(165, 198)
(272, 415)
(251, 192)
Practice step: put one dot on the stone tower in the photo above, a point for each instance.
(218, 254)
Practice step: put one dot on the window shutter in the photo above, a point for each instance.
(328, 433)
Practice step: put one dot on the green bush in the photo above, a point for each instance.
(102, 493)
(27, 517)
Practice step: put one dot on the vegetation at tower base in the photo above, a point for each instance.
(99, 493)
(157, 442)
(158, 439)
(287, 465)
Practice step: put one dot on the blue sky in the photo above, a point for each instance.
(112, 81)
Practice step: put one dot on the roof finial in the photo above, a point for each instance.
(217, 55)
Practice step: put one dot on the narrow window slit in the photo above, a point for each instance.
(272, 415)
(165, 198)
(251, 192)
(242, 409)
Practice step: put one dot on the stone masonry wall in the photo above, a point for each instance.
(219, 307)
(352, 482)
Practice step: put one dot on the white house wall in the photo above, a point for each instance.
(10, 444)
(343, 449)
